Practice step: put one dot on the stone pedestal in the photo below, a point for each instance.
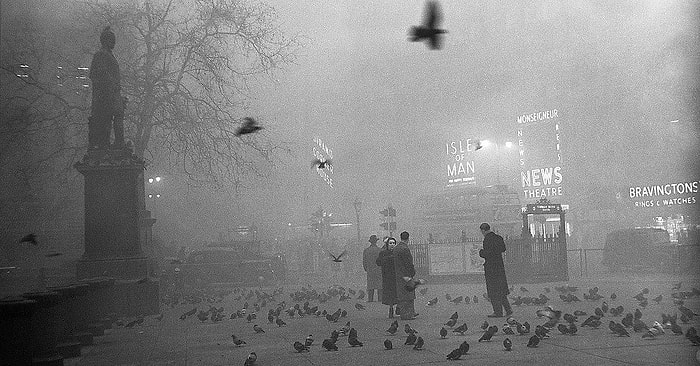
(114, 223)
(44, 327)
(15, 330)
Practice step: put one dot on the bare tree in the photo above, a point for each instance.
(186, 66)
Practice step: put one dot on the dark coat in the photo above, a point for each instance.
(494, 270)
(385, 260)
(369, 263)
(403, 263)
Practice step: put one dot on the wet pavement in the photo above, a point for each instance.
(172, 341)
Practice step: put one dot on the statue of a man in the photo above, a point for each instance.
(107, 102)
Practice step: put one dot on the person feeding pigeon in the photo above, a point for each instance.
(494, 271)
(374, 271)
(385, 260)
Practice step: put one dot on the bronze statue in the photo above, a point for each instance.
(107, 102)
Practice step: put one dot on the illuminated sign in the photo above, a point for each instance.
(539, 153)
(460, 163)
(669, 194)
(323, 153)
(540, 208)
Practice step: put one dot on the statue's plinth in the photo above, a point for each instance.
(114, 220)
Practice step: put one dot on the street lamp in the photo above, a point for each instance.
(156, 179)
(154, 197)
(358, 204)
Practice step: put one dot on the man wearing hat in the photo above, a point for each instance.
(374, 272)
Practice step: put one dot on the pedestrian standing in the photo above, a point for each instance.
(374, 271)
(385, 260)
(495, 272)
(403, 263)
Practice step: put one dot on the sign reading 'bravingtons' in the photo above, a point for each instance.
(669, 194)
(539, 151)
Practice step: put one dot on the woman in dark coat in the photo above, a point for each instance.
(386, 261)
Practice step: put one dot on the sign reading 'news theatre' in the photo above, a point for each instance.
(539, 154)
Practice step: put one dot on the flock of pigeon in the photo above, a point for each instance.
(555, 322)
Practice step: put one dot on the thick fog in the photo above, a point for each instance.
(623, 77)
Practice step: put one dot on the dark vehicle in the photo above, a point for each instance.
(230, 266)
(647, 248)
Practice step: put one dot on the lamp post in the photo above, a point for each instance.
(357, 203)
(154, 184)
(154, 197)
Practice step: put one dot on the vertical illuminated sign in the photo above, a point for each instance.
(323, 153)
(460, 162)
(540, 155)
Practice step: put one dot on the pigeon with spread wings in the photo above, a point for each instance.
(428, 30)
(337, 258)
(320, 164)
(249, 126)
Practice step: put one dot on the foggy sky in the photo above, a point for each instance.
(618, 72)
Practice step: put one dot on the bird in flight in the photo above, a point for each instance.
(249, 126)
(337, 259)
(428, 30)
(321, 164)
(29, 238)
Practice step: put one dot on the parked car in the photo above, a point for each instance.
(643, 248)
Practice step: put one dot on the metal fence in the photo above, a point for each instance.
(534, 259)
(589, 262)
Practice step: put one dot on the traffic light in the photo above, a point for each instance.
(385, 226)
(392, 212)
(392, 226)
(384, 212)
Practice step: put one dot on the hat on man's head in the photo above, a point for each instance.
(107, 38)
(373, 239)
(485, 227)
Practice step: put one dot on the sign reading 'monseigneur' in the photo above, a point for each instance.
(539, 153)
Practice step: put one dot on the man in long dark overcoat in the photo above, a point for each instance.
(403, 264)
(374, 272)
(495, 272)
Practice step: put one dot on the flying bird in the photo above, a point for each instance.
(249, 126)
(428, 30)
(321, 164)
(29, 238)
(337, 259)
